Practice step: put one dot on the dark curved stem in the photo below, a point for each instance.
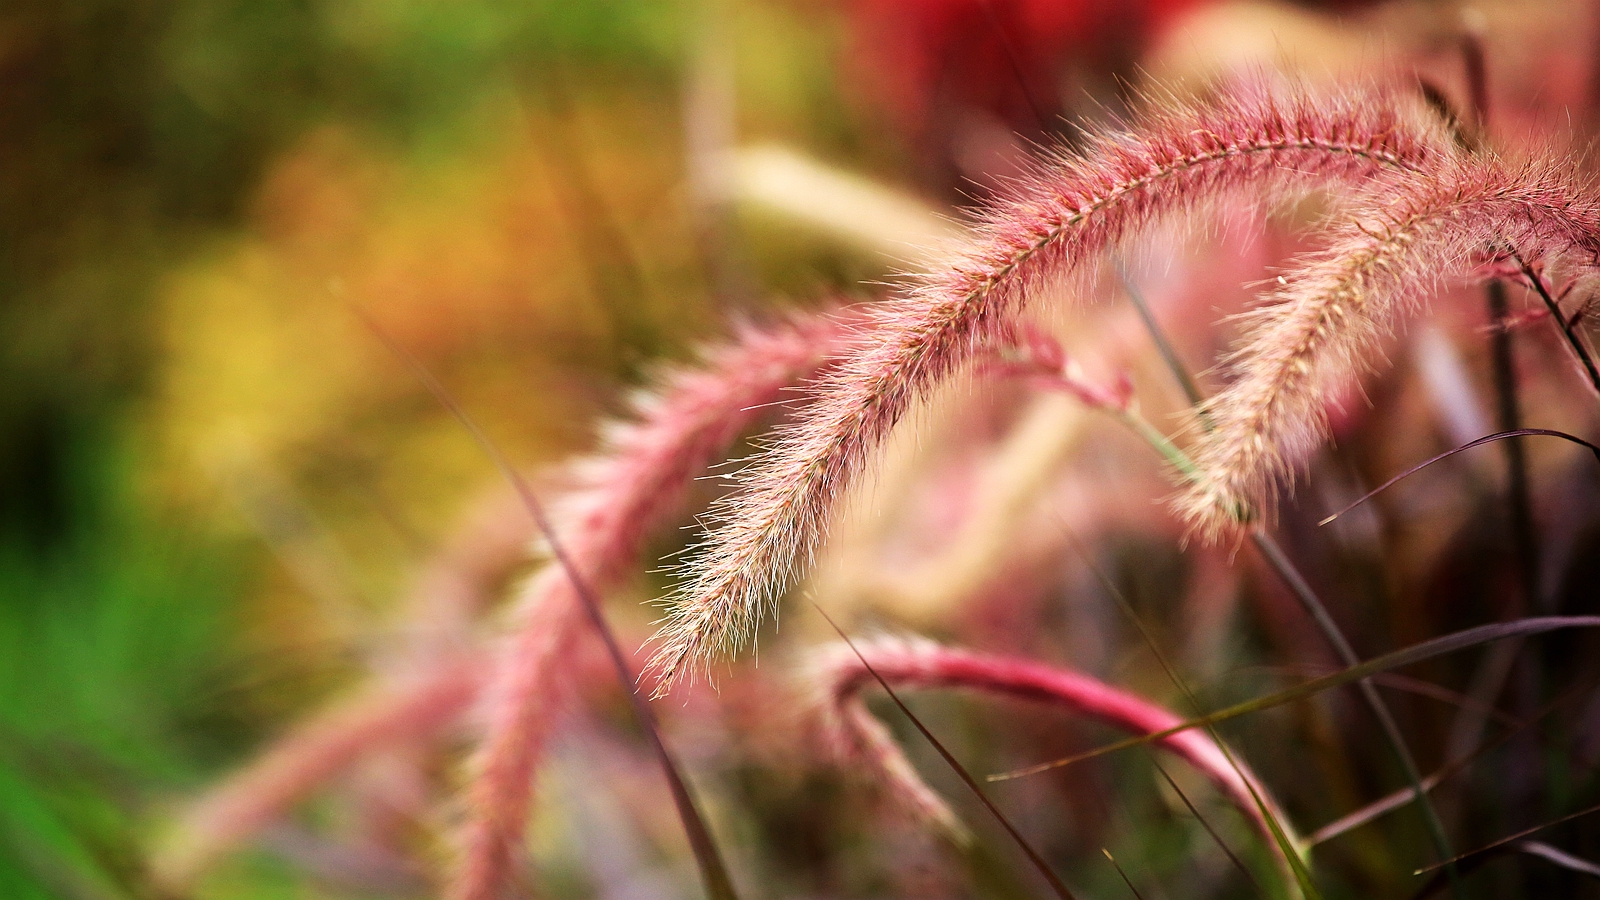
(1478, 442)
(1369, 692)
(1566, 325)
(713, 872)
(1280, 562)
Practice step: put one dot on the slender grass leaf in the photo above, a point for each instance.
(1486, 439)
(1049, 875)
(713, 873)
(1460, 640)
(1287, 848)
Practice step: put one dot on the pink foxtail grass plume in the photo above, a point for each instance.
(839, 677)
(635, 483)
(316, 750)
(1175, 160)
(1325, 322)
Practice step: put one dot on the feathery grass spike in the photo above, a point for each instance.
(1054, 227)
(639, 479)
(708, 857)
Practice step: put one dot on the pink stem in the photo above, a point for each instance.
(924, 664)
(311, 753)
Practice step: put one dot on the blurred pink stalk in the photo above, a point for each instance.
(314, 751)
(416, 693)
(860, 738)
(635, 483)
(1178, 160)
(631, 486)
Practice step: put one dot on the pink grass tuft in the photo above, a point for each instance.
(631, 486)
(1056, 225)
(1325, 323)
(309, 755)
(860, 739)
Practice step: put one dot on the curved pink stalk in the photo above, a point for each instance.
(1175, 161)
(415, 694)
(624, 491)
(861, 739)
(1324, 324)
(310, 754)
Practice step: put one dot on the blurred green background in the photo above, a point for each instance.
(211, 477)
(216, 483)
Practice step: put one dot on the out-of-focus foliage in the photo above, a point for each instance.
(133, 131)
(217, 486)
(185, 186)
(213, 479)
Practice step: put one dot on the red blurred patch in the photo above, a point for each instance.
(921, 58)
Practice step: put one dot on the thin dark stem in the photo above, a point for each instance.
(1394, 801)
(1237, 862)
(1477, 442)
(1286, 570)
(1492, 674)
(1588, 810)
(1302, 591)
(713, 872)
(1562, 322)
(1440, 104)
(1476, 63)
(1169, 355)
(1494, 671)
(1490, 679)
(1509, 412)
(1015, 60)
(1125, 879)
(1056, 884)
(1298, 872)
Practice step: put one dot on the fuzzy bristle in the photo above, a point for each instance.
(1325, 322)
(1174, 161)
(636, 482)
